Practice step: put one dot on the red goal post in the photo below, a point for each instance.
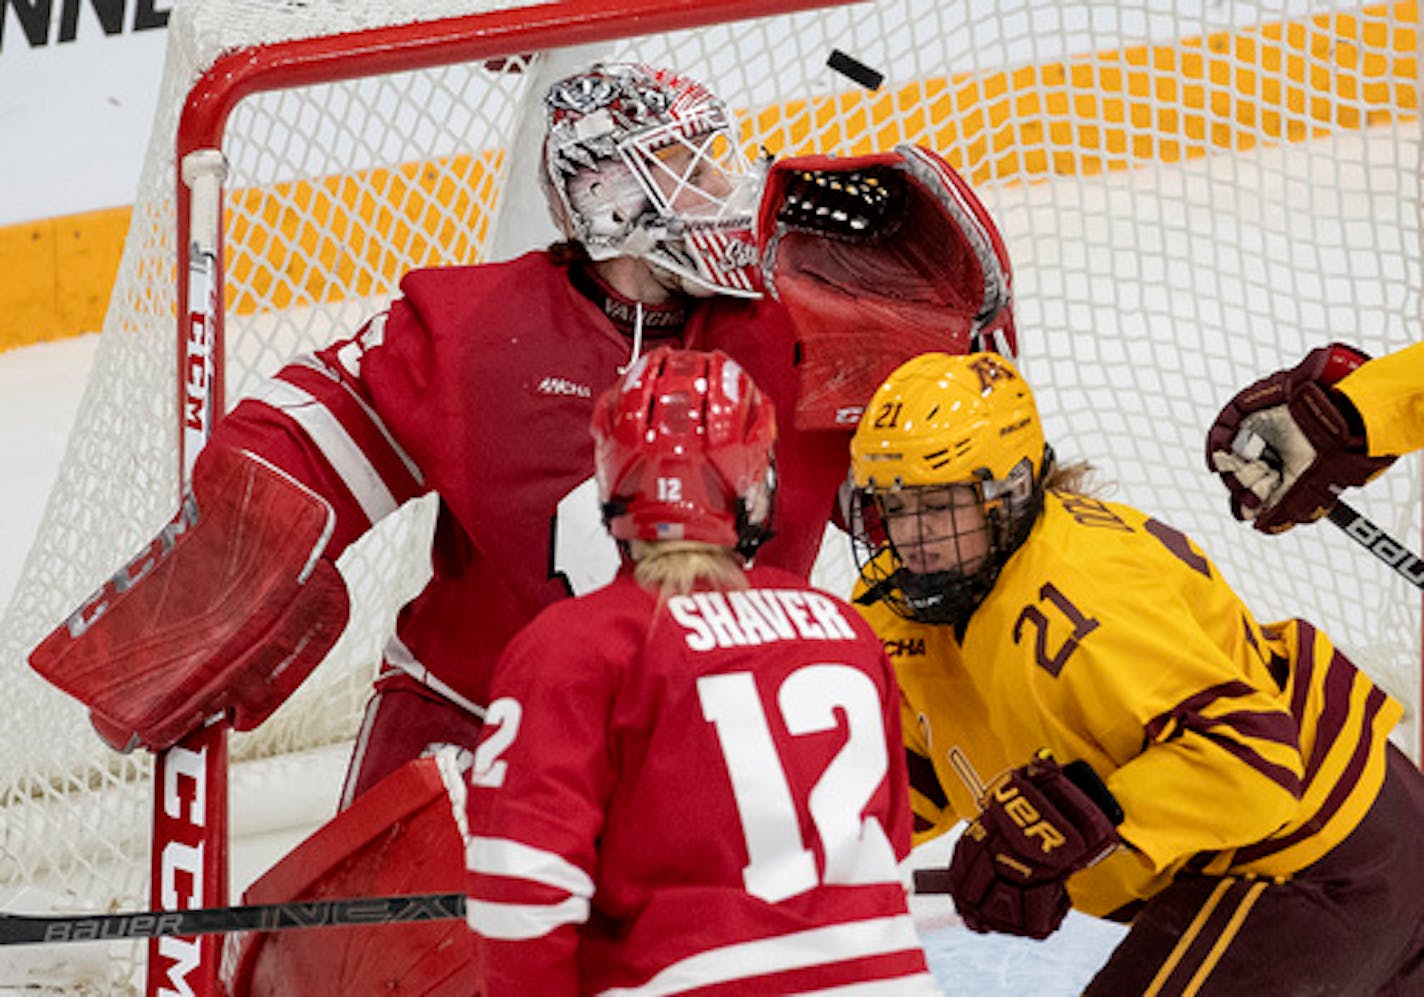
(1192, 194)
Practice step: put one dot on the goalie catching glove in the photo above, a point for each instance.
(227, 610)
(1038, 826)
(1288, 445)
(879, 258)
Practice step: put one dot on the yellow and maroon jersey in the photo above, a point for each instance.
(1110, 637)
(1389, 394)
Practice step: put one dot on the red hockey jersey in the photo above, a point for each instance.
(704, 795)
(478, 384)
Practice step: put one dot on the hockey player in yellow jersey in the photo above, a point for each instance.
(1334, 420)
(1082, 685)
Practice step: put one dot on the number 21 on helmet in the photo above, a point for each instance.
(947, 467)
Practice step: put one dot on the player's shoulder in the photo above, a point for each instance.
(440, 292)
(429, 280)
(608, 617)
(1085, 529)
(768, 577)
(1103, 556)
(758, 332)
(841, 616)
(622, 598)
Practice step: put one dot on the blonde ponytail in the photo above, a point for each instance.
(676, 567)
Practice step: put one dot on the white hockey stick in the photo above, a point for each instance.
(23, 929)
(1355, 524)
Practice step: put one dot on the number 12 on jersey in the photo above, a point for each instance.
(857, 850)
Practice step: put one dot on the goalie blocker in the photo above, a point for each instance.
(879, 258)
(226, 611)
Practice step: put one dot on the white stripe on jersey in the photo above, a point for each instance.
(397, 655)
(521, 922)
(336, 445)
(506, 857)
(311, 362)
(780, 953)
(514, 859)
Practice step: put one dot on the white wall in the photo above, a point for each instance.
(76, 105)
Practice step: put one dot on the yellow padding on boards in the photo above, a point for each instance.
(307, 242)
(57, 274)
(317, 240)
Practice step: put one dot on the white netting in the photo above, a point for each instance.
(1191, 195)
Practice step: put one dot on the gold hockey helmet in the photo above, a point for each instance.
(943, 432)
(940, 419)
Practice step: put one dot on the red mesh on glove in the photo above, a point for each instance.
(1036, 829)
(1300, 401)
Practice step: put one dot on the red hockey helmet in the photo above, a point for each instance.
(683, 451)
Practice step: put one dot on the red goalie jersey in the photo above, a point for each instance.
(704, 796)
(478, 385)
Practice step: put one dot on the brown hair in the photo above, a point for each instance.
(1076, 478)
(567, 252)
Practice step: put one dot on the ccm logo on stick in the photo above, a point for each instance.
(181, 861)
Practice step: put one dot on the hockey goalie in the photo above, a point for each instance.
(817, 276)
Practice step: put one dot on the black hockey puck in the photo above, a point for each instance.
(854, 69)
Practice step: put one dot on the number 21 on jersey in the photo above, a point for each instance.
(856, 849)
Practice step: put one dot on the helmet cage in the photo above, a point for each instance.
(641, 162)
(949, 596)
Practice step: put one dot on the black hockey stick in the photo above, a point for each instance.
(23, 929)
(1356, 526)
(1378, 542)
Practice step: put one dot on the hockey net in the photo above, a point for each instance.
(1192, 194)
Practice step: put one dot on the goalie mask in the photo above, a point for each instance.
(683, 451)
(947, 466)
(643, 162)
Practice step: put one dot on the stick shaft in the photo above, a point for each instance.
(21, 929)
(1379, 543)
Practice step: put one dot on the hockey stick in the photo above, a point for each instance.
(43, 929)
(1355, 524)
(22, 929)
(1378, 542)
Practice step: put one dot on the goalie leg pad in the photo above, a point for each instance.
(227, 610)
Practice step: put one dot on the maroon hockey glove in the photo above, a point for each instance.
(227, 610)
(1288, 445)
(878, 258)
(1038, 826)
